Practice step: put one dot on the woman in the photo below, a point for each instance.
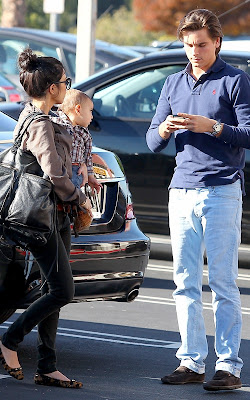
(44, 80)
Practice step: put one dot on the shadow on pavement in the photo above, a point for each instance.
(114, 370)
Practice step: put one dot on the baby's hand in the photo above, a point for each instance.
(83, 171)
(94, 184)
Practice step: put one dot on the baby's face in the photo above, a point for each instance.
(84, 114)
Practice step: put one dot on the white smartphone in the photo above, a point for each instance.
(178, 118)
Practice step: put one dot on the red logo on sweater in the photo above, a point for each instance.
(214, 91)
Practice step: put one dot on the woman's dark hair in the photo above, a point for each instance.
(198, 19)
(38, 73)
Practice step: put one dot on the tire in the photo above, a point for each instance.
(6, 313)
(12, 289)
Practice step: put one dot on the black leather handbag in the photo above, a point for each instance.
(27, 199)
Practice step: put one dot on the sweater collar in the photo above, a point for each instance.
(218, 65)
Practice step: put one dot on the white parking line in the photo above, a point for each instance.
(111, 337)
(4, 376)
(171, 302)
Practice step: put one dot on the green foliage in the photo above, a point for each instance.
(35, 17)
(118, 25)
(67, 21)
(122, 28)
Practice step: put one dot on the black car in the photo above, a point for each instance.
(108, 260)
(125, 98)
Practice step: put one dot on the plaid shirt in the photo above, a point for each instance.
(81, 141)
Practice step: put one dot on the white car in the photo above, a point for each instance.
(241, 45)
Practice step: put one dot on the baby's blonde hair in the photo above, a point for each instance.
(72, 98)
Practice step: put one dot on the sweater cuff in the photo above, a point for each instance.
(226, 134)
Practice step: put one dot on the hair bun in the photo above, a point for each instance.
(27, 60)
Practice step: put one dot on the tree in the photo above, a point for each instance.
(122, 28)
(13, 13)
(164, 15)
(35, 17)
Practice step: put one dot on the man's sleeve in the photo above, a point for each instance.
(239, 135)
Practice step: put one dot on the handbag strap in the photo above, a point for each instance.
(24, 126)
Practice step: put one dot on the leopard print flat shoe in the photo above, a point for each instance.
(41, 379)
(16, 373)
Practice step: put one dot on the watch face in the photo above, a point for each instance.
(217, 127)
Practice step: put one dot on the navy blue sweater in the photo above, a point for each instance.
(222, 94)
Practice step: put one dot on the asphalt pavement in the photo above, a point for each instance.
(121, 350)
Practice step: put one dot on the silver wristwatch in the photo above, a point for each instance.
(216, 128)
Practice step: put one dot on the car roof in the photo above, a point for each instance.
(68, 40)
(157, 58)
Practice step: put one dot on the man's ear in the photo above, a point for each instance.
(218, 42)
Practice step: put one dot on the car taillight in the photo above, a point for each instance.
(15, 97)
(129, 212)
(12, 96)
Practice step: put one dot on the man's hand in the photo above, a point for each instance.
(196, 123)
(167, 127)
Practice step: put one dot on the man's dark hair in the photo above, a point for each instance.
(198, 19)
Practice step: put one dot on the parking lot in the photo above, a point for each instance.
(121, 350)
(117, 348)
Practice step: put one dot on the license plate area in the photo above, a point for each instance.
(99, 202)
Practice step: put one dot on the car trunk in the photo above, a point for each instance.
(109, 205)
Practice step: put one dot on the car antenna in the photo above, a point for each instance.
(233, 8)
(168, 45)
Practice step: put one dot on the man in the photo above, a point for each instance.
(212, 101)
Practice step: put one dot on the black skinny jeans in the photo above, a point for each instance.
(57, 292)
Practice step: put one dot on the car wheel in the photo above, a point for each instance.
(6, 313)
(12, 288)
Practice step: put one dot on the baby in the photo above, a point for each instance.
(75, 114)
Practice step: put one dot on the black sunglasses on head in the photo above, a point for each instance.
(67, 81)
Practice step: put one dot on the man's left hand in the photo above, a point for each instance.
(196, 123)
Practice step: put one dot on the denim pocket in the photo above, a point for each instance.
(231, 191)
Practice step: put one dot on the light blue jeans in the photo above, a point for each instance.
(76, 179)
(207, 218)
